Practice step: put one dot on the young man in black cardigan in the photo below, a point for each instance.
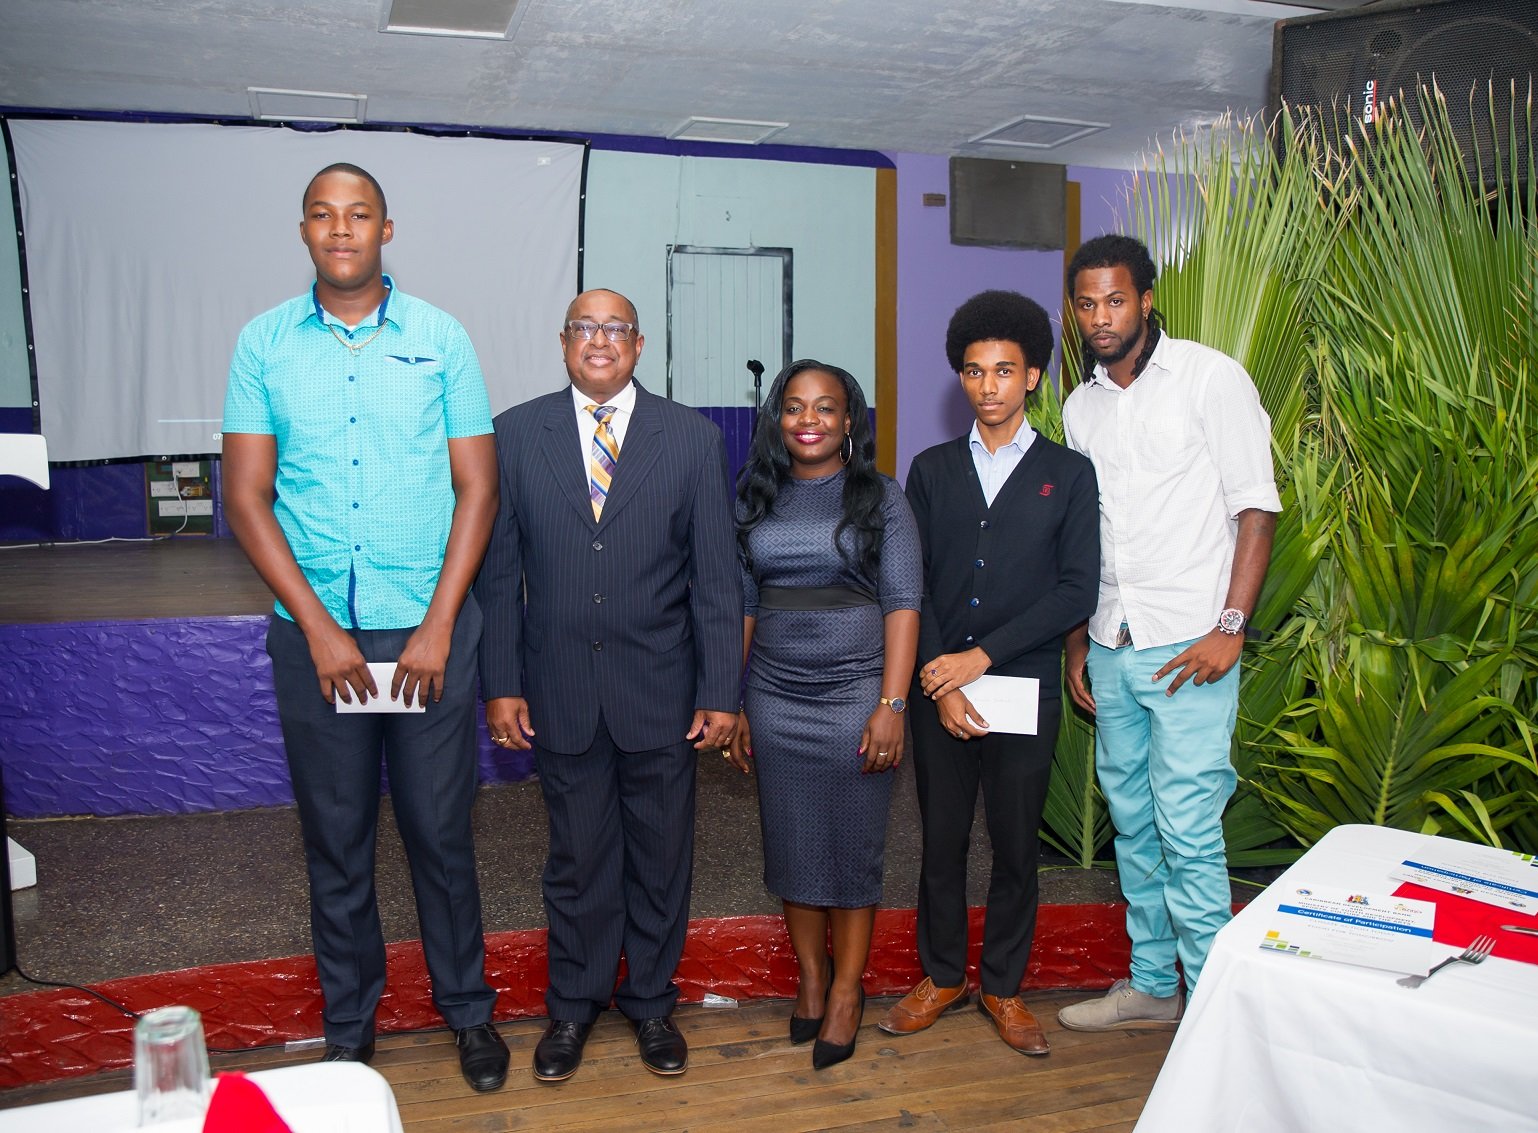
(1010, 528)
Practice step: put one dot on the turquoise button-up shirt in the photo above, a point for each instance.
(362, 423)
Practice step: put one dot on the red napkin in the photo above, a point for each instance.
(1461, 919)
(239, 1106)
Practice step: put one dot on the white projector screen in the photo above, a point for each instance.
(150, 245)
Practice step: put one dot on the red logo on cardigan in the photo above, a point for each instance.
(1046, 489)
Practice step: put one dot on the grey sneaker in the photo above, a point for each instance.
(1123, 1008)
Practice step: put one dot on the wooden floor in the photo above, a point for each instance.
(745, 1077)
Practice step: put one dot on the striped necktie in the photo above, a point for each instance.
(600, 465)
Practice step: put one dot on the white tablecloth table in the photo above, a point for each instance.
(1273, 1043)
(318, 1097)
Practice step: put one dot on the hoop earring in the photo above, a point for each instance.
(846, 450)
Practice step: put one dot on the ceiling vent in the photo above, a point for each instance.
(274, 105)
(466, 19)
(1032, 132)
(740, 131)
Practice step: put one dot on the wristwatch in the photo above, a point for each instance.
(896, 703)
(1231, 622)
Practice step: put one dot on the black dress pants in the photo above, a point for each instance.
(1013, 772)
(618, 875)
(334, 762)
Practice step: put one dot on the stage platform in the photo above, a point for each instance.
(133, 680)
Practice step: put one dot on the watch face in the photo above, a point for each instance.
(897, 704)
(1231, 621)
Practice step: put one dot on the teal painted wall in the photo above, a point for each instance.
(638, 204)
(15, 375)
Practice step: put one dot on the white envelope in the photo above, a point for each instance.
(1009, 704)
(384, 673)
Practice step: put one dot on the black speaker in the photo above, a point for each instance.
(1347, 64)
(1008, 204)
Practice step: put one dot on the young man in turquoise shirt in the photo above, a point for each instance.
(360, 478)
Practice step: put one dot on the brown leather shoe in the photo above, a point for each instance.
(1017, 1026)
(921, 1007)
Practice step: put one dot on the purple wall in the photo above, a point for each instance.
(934, 277)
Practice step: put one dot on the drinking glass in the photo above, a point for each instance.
(170, 1065)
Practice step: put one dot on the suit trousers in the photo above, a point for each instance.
(618, 875)
(334, 761)
(1013, 772)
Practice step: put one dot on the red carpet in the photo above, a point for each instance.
(63, 1033)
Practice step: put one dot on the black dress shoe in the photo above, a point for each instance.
(559, 1052)
(336, 1052)
(826, 1054)
(663, 1049)
(482, 1056)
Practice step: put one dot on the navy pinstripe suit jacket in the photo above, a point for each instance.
(638, 615)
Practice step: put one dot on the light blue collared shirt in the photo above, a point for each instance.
(364, 494)
(993, 468)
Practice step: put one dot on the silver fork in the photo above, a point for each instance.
(1475, 953)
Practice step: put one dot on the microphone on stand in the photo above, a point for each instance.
(756, 368)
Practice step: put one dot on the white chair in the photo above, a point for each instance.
(24, 455)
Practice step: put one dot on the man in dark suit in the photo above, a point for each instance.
(613, 648)
(1009, 522)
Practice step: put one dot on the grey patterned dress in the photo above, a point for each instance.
(813, 680)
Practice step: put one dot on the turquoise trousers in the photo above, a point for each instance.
(1165, 771)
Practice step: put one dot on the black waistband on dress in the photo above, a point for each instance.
(814, 597)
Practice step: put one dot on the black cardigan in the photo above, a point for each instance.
(1015, 577)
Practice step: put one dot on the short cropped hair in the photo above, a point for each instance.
(356, 171)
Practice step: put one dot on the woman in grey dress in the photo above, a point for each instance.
(833, 579)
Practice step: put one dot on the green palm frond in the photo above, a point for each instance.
(1075, 821)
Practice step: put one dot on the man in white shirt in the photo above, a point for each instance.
(1188, 505)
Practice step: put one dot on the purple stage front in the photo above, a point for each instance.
(166, 707)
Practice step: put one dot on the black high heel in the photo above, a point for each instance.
(826, 1054)
(805, 1030)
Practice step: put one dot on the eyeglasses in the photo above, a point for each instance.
(614, 332)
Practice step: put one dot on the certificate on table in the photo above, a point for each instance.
(1374, 930)
(1009, 704)
(1503, 878)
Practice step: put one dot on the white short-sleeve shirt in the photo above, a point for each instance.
(1179, 454)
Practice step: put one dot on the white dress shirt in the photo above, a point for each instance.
(993, 468)
(619, 421)
(1179, 454)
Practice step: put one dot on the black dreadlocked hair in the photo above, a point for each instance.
(1116, 251)
(768, 467)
